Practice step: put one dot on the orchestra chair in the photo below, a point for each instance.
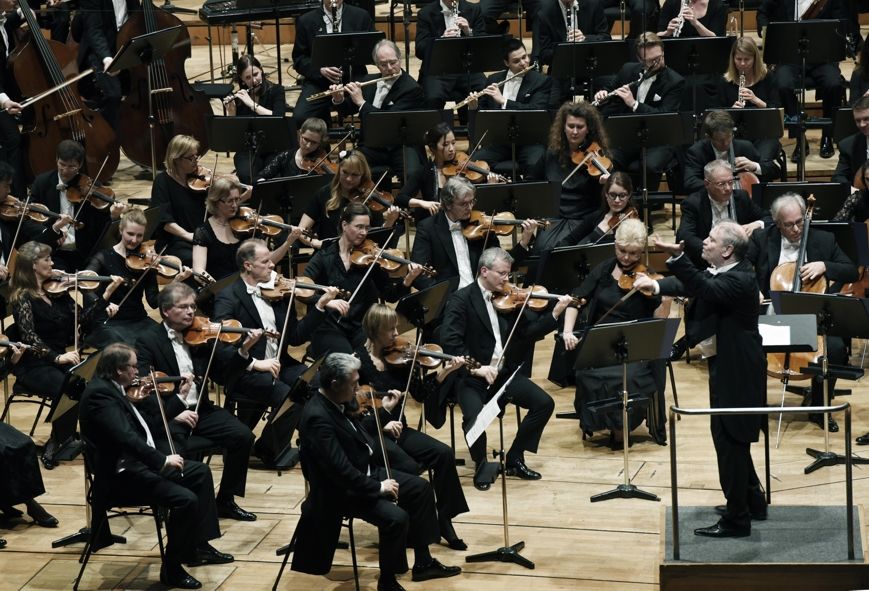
(19, 393)
(110, 513)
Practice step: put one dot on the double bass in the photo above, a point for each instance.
(177, 108)
(38, 64)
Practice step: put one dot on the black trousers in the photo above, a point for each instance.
(451, 87)
(258, 386)
(189, 497)
(115, 331)
(410, 523)
(635, 15)
(332, 338)
(48, 380)
(828, 81)
(218, 425)
(473, 394)
(302, 110)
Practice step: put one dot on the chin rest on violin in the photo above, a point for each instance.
(429, 356)
(390, 259)
(228, 331)
(304, 287)
(502, 224)
(511, 297)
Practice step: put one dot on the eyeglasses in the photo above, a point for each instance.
(192, 158)
(470, 203)
(721, 184)
(790, 225)
(618, 196)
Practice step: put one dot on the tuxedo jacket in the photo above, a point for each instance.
(533, 92)
(664, 96)
(697, 220)
(311, 24)
(702, 153)
(726, 306)
(550, 29)
(405, 95)
(852, 155)
(430, 25)
(765, 249)
(99, 32)
(7, 81)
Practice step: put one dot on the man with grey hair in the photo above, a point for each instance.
(716, 201)
(473, 328)
(440, 243)
(780, 243)
(347, 478)
(722, 320)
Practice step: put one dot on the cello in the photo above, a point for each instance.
(38, 64)
(177, 108)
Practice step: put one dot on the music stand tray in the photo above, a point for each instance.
(757, 124)
(829, 197)
(526, 200)
(565, 268)
(466, 55)
(589, 59)
(423, 307)
(237, 134)
(144, 49)
(344, 49)
(698, 55)
(387, 129)
(783, 41)
(846, 238)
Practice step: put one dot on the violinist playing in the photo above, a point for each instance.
(780, 243)
(53, 190)
(163, 348)
(473, 328)
(124, 322)
(616, 206)
(48, 324)
(313, 145)
(577, 133)
(256, 96)
(333, 265)
(352, 183)
(856, 206)
(409, 450)
(603, 288)
(270, 373)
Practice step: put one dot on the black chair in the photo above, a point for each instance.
(22, 395)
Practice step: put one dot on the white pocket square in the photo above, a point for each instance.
(657, 97)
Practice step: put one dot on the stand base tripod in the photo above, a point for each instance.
(503, 554)
(625, 491)
(81, 537)
(825, 459)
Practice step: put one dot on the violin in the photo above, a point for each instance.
(510, 297)
(368, 398)
(626, 213)
(429, 356)
(166, 266)
(304, 287)
(12, 208)
(141, 388)
(99, 196)
(200, 181)
(626, 281)
(61, 282)
(390, 259)
(248, 221)
(229, 331)
(593, 159)
(376, 201)
(319, 163)
(502, 224)
(5, 343)
(476, 171)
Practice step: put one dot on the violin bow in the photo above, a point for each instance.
(329, 153)
(374, 188)
(486, 240)
(290, 303)
(512, 331)
(628, 215)
(13, 253)
(410, 374)
(379, 424)
(377, 257)
(92, 187)
(75, 314)
(471, 153)
(207, 372)
(136, 283)
(163, 413)
(53, 89)
(213, 172)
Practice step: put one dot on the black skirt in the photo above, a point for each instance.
(19, 467)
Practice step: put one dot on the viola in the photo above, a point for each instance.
(476, 171)
(390, 259)
(12, 208)
(166, 266)
(319, 163)
(61, 282)
(5, 343)
(502, 224)
(248, 221)
(626, 281)
(430, 356)
(510, 297)
(99, 196)
(303, 286)
(141, 388)
(593, 159)
(229, 331)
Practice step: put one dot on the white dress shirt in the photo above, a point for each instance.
(463, 256)
(498, 353)
(185, 364)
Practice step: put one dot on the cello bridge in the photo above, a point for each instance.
(162, 90)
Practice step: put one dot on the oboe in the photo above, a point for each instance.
(739, 98)
(336, 24)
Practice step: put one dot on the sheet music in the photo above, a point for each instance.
(774, 335)
(488, 413)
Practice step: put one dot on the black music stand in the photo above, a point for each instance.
(291, 193)
(829, 197)
(526, 200)
(514, 127)
(207, 293)
(589, 60)
(861, 243)
(466, 55)
(252, 134)
(345, 50)
(815, 42)
(112, 233)
(421, 308)
(620, 344)
(565, 268)
(757, 124)
(142, 51)
(843, 124)
(387, 129)
(845, 236)
(844, 317)
(650, 131)
(693, 56)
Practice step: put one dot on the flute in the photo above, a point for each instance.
(476, 95)
(343, 87)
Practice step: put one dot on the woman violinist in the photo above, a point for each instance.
(332, 265)
(256, 97)
(856, 206)
(313, 145)
(603, 288)
(409, 450)
(214, 242)
(576, 131)
(351, 184)
(48, 324)
(616, 206)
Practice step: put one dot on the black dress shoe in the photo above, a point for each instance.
(827, 149)
(719, 530)
(679, 348)
(208, 554)
(392, 585)
(818, 419)
(518, 468)
(175, 576)
(47, 456)
(448, 533)
(756, 514)
(40, 516)
(480, 484)
(435, 570)
(230, 510)
(10, 512)
(795, 156)
(2, 543)
(863, 439)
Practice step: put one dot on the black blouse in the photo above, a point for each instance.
(715, 18)
(221, 256)
(109, 262)
(603, 292)
(328, 224)
(179, 204)
(765, 89)
(580, 197)
(272, 99)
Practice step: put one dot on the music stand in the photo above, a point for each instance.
(523, 199)
(208, 292)
(565, 268)
(757, 124)
(844, 233)
(829, 197)
(861, 243)
(344, 50)
(421, 308)
(844, 317)
(253, 134)
(620, 344)
(387, 129)
(514, 127)
(843, 124)
(112, 233)
(650, 131)
(589, 60)
(142, 51)
(815, 42)
(466, 55)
